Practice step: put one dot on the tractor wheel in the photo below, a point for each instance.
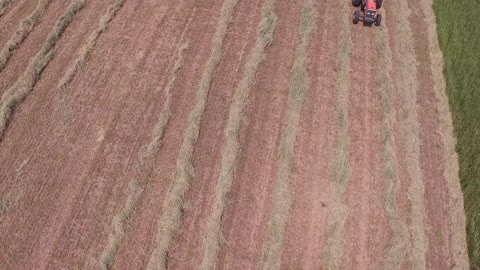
(379, 4)
(356, 3)
(378, 20)
(356, 16)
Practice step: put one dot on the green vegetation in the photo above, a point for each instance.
(459, 34)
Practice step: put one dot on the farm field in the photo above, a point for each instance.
(210, 134)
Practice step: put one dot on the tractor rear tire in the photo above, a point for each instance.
(356, 16)
(378, 20)
(356, 3)
(379, 4)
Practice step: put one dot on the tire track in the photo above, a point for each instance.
(85, 52)
(14, 95)
(297, 93)
(266, 29)
(170, 221)
(337, 217)
(408, 88)
(135, 189)
(451, 170)
(25, 27)
(395, 256)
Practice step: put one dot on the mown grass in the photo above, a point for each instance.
(298, 91)
(459, 35)
(214, 232)
(398, 249)
(174, 203)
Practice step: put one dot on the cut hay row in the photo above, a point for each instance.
(298, 89)
(159, 129)
(11, 198)
(4, 4)
(395, 256)
(337, 216)
(117, 233)
(408, 86)
(213, 234)
(451, 170)
(25, 27)
(171, 219)
(106, 18)
(135, 191)
(25, 83)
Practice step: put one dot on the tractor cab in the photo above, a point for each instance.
(369, 8)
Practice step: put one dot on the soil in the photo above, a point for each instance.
(68, 156)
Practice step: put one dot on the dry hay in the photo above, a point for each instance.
(337, 216)
(25, 27)
(213, 234)
(135, 191)
(298, 91)
(451, 171)
(117, 233)
(171, 219)
(4, 4)
(408, 87)
(159, 129)
(14, 95)
(87, 49)
(395, 256)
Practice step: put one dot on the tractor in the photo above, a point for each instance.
(369, 8)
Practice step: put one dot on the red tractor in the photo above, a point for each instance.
(369, 8)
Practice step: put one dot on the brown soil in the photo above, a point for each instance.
(68, 157)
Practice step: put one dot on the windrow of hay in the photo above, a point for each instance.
(25, 27)
(298, 90)
(171, 219)
(213, 234)
(11, 198)
(337, 216)
(408, 86)
(451, 171)
(400, 242)
(135, 191)
(159, 129)
(25, 83)
(117, 233)
(111, 12)
(4, 4)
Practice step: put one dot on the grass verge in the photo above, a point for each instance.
(459, 36)
(455, 200)
(25, 27)
(14, 95)
(171, 219)
(298, 90)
